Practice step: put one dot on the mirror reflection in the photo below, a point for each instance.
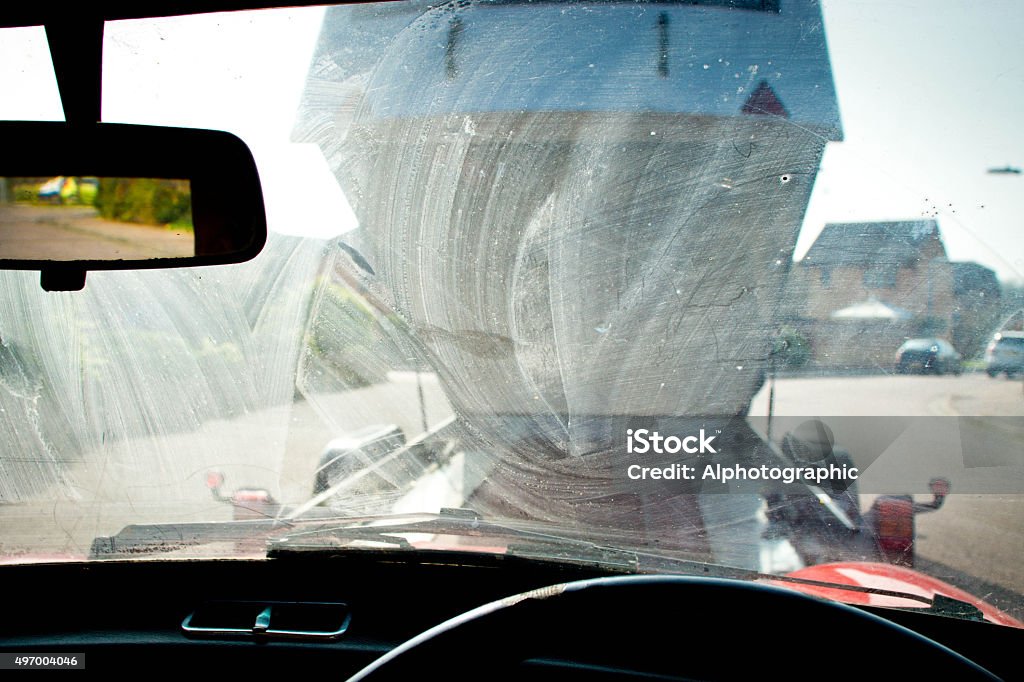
(67, 218)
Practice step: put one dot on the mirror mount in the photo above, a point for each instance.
(62, 279)
(76, 49)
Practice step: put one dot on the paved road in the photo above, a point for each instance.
(75, 232)
(969, 429)
(162, 479)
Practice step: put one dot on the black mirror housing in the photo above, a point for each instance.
(216, 170)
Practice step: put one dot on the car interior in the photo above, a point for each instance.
(124, 615)
(363, 610)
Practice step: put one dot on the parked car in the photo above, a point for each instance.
(922, 356)
(1005, 354)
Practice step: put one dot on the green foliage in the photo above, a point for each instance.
(345, 337)
(87, 193)
(25, 193)
(145, 200)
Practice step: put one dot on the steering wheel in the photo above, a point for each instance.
(706, 628)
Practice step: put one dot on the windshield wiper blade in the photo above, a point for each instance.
(139, 539)
(522, 542)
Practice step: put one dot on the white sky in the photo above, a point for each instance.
(931, 94)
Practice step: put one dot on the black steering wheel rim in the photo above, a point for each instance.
(675, 625)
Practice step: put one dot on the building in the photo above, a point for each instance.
(864, 288)
(978, 311)
(903, 264)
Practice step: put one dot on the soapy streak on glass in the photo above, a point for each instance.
(182, 371)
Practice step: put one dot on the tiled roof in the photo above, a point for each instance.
(867, 244)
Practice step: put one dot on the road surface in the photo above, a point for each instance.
(63, 233)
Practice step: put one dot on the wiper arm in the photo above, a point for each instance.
(939, 604)
(525, 543)
(522, 542)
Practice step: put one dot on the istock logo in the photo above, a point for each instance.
(642, 441)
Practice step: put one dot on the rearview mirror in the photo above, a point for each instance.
(120, 197)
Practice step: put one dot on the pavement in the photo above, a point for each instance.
(61, 233)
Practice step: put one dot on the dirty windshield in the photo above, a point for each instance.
(713, 280)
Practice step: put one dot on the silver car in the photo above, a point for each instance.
(1005, 354)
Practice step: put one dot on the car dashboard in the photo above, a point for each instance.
(128, 615)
